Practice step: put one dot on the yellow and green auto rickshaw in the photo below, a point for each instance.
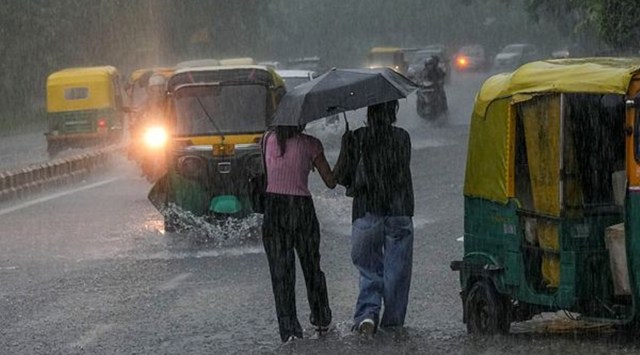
(552, 195)
(148, 124)
(218, 116)
(138, 82)
(84, 107)
(390, 57)
(229, 62)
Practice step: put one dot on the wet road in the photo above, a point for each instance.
(27, 148)
(88, 269)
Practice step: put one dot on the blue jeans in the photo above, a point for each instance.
(382, 250)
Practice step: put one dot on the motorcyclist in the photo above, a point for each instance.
(434, 74)
(432, 71)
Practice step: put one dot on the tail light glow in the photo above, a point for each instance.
(462, 62)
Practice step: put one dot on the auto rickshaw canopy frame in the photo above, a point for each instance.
(492, 131)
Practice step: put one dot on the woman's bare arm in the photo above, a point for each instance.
(325, 170)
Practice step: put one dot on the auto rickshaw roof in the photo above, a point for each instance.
(491, 134)
(237, 61)
(385, 49)
(255, 73)
(576, 75)
(81, 75)
(164, 71)
(207, 62)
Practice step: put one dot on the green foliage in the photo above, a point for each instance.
(619, 23)
(616, 22)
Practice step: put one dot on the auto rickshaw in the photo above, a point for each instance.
(84, 107)
(390, 57)
(218, 116)
(138, 81)
(552, 195)
(148, 126)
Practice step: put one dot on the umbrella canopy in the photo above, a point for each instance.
(340, 90)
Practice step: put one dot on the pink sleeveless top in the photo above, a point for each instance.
(289, 174)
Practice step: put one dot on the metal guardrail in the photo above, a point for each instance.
(19, 183)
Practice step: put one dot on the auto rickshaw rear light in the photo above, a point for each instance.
(221, 150)
(102, 123)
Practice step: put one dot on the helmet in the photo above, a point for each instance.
(430, 62)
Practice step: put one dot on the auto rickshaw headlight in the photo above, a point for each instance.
(155, 137)
(191, 167)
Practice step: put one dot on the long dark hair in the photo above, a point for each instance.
(283, 133)
(380, 117)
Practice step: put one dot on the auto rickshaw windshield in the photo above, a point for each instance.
(233, 109)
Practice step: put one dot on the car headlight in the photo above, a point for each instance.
(155, 137)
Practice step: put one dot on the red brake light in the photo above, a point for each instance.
(102, 123)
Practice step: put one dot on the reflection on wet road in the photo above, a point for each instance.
(94, 272)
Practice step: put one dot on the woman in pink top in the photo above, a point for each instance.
(290, 223)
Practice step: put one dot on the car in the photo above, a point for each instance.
(514, 55)
(295, 77)
(470, 57)
(307, 63)
(419, 58)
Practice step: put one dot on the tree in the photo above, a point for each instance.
(615, 22)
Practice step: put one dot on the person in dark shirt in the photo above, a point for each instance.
(382, 230)
(434, 74)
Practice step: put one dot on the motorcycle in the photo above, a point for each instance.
(431, 101)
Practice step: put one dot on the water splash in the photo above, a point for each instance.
(219, 232)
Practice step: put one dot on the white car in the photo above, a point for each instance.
(294, 77)
(514, 55)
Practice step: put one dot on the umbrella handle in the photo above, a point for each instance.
(346, 123)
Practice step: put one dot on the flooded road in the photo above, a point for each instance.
(90, 270)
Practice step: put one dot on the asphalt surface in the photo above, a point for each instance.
(89, 269)
(21, 150)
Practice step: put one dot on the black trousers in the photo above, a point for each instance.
(289, 224)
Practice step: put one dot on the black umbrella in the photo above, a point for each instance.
(340, 90)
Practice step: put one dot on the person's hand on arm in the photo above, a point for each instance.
(321, 163)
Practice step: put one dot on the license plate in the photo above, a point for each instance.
(224, 167)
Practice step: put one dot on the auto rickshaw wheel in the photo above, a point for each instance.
(487, 312)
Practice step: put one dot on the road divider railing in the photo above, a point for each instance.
(21, 182)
